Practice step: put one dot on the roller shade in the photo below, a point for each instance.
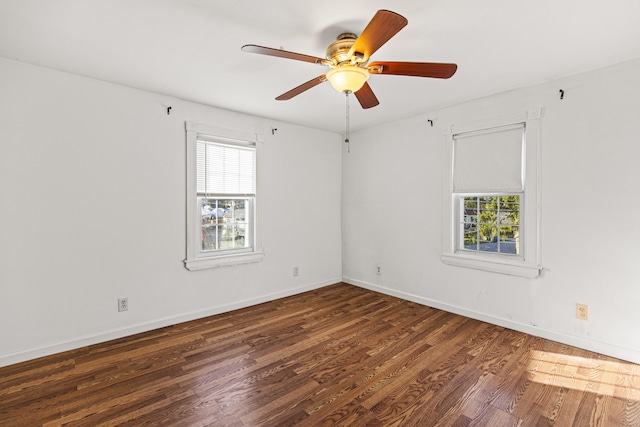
(489, 161)
(224, 168)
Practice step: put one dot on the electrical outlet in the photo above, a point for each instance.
(296, 271)
(582, 311)
(378, 270)
(123, 304)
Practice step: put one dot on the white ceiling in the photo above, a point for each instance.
(191, 48)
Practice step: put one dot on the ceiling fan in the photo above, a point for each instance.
(348, 58)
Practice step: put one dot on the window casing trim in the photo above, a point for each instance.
(529, 263)
(196, 259)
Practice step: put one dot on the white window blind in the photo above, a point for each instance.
(489, 161)
(225, 168)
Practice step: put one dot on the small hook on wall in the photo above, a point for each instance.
(273, 131)
(168, 110)
(430, 122)
(561, 94)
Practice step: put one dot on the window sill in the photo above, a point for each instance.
(513, 268)
(223, 261)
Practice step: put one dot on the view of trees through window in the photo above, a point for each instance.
(490, 223)
(224, 223)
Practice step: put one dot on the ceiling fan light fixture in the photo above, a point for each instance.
(348, 78)
(348, 58)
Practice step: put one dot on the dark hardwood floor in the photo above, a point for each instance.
(337, 356)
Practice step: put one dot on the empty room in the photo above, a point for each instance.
(252, 213)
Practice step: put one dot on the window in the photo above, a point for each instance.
(226, 188)
(491, 195)
(221, 199)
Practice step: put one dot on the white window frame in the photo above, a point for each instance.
(528, 263)
(197, 259)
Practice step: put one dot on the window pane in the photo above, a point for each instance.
(470, 202)
(509, 240)
(470, 219)
(509, 217)
(471, 238)
(510, 203)
(488, 203)
(488, 235)
(490, 223)
(225, 223)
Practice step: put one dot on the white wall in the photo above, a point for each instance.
(92, 208)
(392, 214)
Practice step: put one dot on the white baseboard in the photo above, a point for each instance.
(576, 341)
(22, 356)
(591, 345)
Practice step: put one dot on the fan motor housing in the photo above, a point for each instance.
(338, 51)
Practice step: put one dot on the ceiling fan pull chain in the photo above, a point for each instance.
(346, 133)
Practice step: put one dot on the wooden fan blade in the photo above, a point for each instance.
(303, 87)
(366, 97)
(252, 48)
(384, 25)
(418, 69)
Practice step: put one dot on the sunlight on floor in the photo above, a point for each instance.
(604, 377)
